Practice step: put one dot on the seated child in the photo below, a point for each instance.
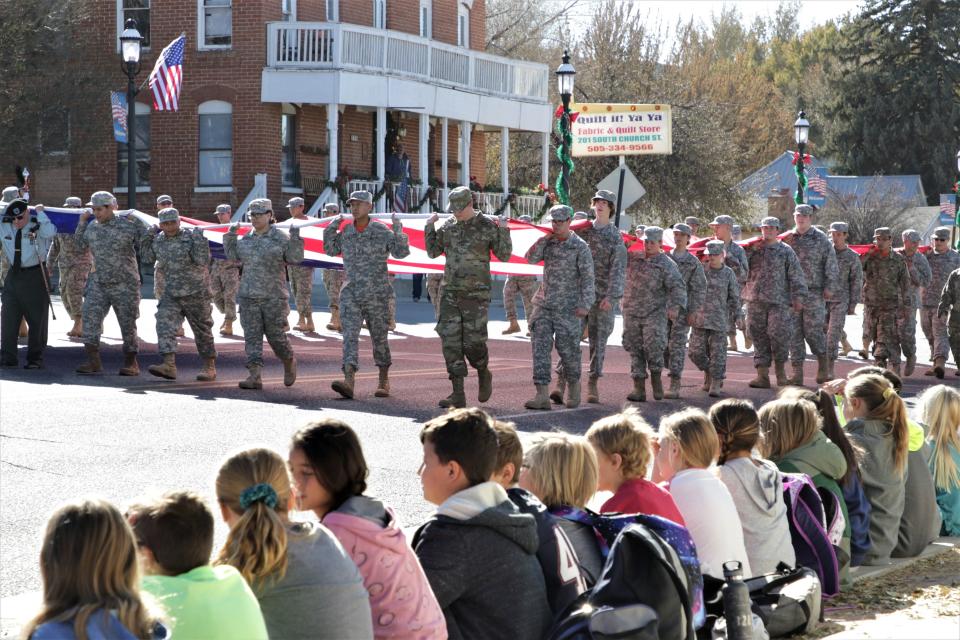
(330, 476)
(624, 451)
(175, 539)
(940, 412)
(91, 579)
(478, 549)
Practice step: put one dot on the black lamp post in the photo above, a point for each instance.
(130, 41)
(565, 73)
(801, 130)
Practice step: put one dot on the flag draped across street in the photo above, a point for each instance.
(166, 79)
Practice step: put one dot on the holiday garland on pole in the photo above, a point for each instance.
(562, 186)
(799, 162)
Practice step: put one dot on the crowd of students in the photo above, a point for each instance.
(507, 552)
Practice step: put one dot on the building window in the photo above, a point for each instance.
(289, 170)
(333, 10)
(139, 10)
(426, 19)
(142, 149)
(214, 24)
(288, 10)
(379, 14)
(463, 25)
(215, 165)
(54, 132)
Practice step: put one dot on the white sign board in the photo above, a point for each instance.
(621, 129)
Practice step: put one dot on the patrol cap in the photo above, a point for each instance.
(360, 196)
(639, 230)
(839, 227)
(692, 220)
(911, 235)
(580, 215)
(224, 208)
(882, 232)
(73, 201)
(295, 202)
(101, 199)
(525, 218)
(10, 194)
(559, 213)
(735, 229)
(17, 207)
(653, 234)
(168, 215)
(680, 227)
(941, 233)
(715, 248)
(331, 206)
(164, 198)
(459, 199)
(603, 194)
(803, 210)
(260, 206)
(770, 221)
(722, 220)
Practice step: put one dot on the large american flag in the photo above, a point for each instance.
(167, 76)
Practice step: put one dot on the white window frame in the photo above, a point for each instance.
(139, 109)
(333, 10)
(288, 110)
(214, 107)
(290, 15)
(121, 20)
(426, 18)
(379, 14)
(463, 25)
(201, 28)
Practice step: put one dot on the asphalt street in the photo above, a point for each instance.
(63, 436)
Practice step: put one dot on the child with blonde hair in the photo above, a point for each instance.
(686, 449)
(91, 578)
(623, 444)
(940, 412)
(307, 586)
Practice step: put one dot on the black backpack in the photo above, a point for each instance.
(642, 594)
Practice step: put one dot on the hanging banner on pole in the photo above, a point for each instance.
(621, 129)
(948, 209)
(118, 107)
(817, 186)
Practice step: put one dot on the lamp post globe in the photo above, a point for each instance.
(130, 42)
(565, 74)
(801, 129)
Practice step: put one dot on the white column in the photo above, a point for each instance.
(444, 155)
(504, 165)
(424, 145)
(465, 129)
(333, 126)
(380, 143)
(545, 159)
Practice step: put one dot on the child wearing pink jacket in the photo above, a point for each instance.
(330, 473)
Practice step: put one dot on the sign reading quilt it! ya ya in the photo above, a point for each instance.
(621, 129)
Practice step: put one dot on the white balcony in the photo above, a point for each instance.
(335, 63)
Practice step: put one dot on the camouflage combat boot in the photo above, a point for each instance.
(909, 366)
(557, 394)
(845, 346)
(939, 367)
(513, 328)
(657, 385)
(308, 326)
(541, 401)
(93, 363)
(334, 324)
(208, 372)
(130, 365)
(797, 378)
(226, 329)
(732, 341)
(593, 393)
(823, 369)
(639, 393)
(573, 394)
(457, 399)
(747, 342)
(715, 388)
(781, 372)
(673, 393)
(345, 387)
(762, 381)
(383, 385)
(486, 384)
(167, 370)
(253, 380)
(289, 371)
(706, 381)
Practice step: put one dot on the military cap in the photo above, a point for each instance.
(653, 234)
(911, 235)
(770, 221)
(360, 196)
(331, 206)
(603, 194)
(692, 220)
(459, 199)
(101, 199)
(559, 212)
(715, 248)
(839, 227)
(164, 198)
(735, 231)
(224, 208)
(17, 207)
(525, 218)
(638, 231)
(722, 220)
(73, 201)
(260, 206)
(803, 210)
(168, 215)
(580, 215)
(882, 232)
(941, 233)
(10, 194)
(681, 227)
(295, 202)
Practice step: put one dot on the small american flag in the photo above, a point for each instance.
(166, 78)
(118, 108)
(817, 183)
(402, 192)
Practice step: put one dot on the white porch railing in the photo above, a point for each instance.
(487, 202)
(259, 190)
(331, 45)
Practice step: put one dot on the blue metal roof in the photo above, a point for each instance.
(779, 174)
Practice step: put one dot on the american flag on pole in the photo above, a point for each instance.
(402, 192)
(166, 78)
(948, 208)
(118, 107)
(817, 183)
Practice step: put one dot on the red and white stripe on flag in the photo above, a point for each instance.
(166, 79)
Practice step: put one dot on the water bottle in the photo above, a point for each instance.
(736, 603)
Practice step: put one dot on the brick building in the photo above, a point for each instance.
(281, 96)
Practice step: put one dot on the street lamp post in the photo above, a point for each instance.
(956, 204)
(565, 74)
(130, 41)
(801, 131)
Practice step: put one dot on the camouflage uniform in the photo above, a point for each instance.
(366, 289)
(465, 296)
(886, 286)
(434, 290)
(263, 294)
(75, 265)
(695, 281)
(818, 259)
(776, 281)
(950, 304)
(568, 285)
(708, 340)
(653, 286)
(920, 276)
(609, 269)
(301, 281)
(183, 259)
(525, 286)
(116, 280)
(736, 259)
(333, 283)
(224, 284)
(935, 327)
(846, 298)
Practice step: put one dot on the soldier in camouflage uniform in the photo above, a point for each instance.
(849, 287)
(513, 286)
(466, 240)
(301, 276)
(886, 287)
(566, 295)
(736, 259)
(920, 277)
(819, 261)
(654, 293)
(950, 304)
(333, 279)
(696, 283)
(225, 280)
(113, 241)
(184, 257)
(776, 282)
(721, 306)
(943, 261)
(264, 251)
(75, 265)
(365, 246)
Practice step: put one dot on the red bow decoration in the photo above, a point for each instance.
(796, 157)
(573, 114)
